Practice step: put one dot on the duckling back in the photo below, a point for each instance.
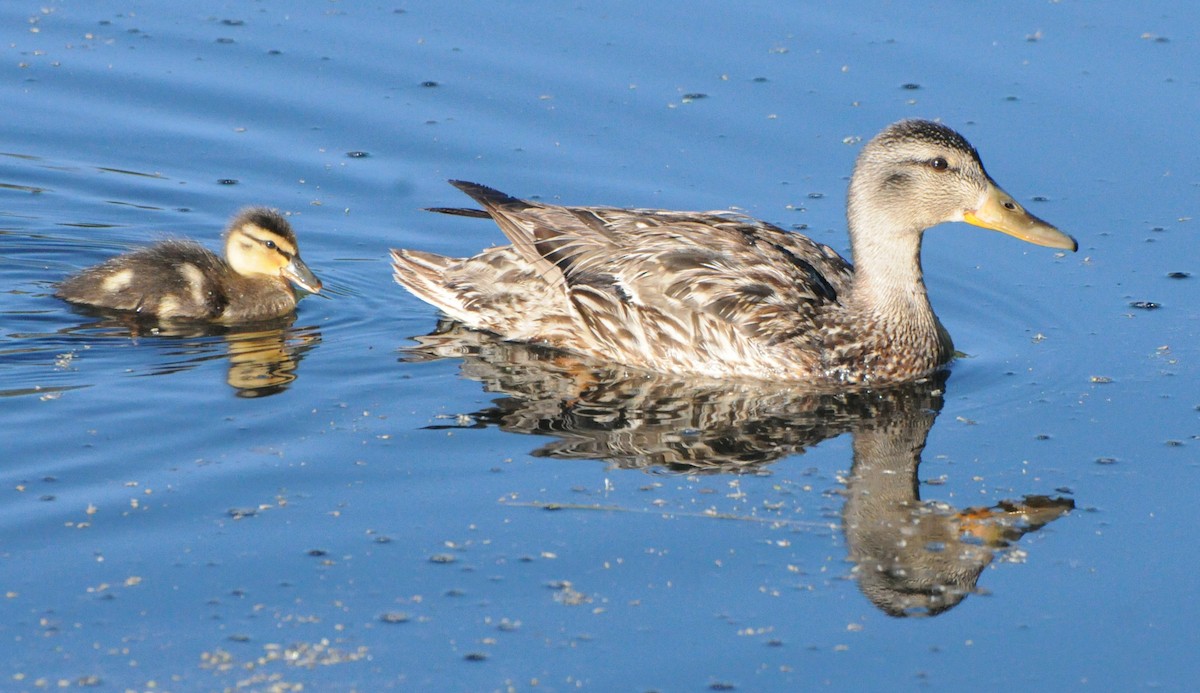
(178, 279)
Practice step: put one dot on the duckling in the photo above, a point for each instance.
(182, 280)
(724, 295)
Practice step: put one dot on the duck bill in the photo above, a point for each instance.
(299, 274)
(1000, 212)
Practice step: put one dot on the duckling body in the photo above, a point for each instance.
(725, 295)
(182, 280)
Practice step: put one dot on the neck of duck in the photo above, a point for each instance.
(889, 303)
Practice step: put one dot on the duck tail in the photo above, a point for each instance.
(424, 275)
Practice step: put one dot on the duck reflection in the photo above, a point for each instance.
(263, 357)
(912, 557)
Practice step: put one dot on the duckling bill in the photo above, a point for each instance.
(724, 295)
(182, 280)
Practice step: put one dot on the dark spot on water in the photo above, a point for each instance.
(47, 498)
(225, 40)
(1157, 229)
(798, 227)
(239, 637)
(49, 479)
(383, 540)
(815, 195)
(760, 80)
(1041, 436)
(429, 84)
(274, 51)
(357, 155)
(476, 657)
(722, 686)
(1011, 98)
(1106, 460)
(239, 513)
(1040, 198)
(694, 96)
(1144, 305)
(1175, 443)
(233, 22)
(227, 181)
(1064, 489)
(1178, 275)
(394, 617)
(317, 553)
(442, 558)
(910, 86)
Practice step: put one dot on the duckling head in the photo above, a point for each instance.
(260, 241)
(918, 173)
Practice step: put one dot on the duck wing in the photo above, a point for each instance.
(661, 289)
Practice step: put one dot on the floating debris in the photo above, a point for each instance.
(357, 155)
(395, 617)
(1144, 305)
(1178, 275)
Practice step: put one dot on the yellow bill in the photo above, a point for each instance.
(1000, 212)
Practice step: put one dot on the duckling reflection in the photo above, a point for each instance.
(911, 557)
(263, 358)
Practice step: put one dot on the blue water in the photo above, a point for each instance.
(312, 505)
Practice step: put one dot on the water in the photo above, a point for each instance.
(311, 503)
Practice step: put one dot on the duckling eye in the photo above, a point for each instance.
(269, 244)
(939, 163)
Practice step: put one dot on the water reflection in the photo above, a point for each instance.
(912, 557)
(263, 357)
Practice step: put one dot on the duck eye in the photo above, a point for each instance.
(939, 164)
(269, 244)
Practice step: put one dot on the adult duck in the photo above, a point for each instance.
(724, 295)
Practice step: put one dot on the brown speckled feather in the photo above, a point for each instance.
(668, 291)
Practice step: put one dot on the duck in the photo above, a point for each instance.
(724, 295)
(181, 280)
